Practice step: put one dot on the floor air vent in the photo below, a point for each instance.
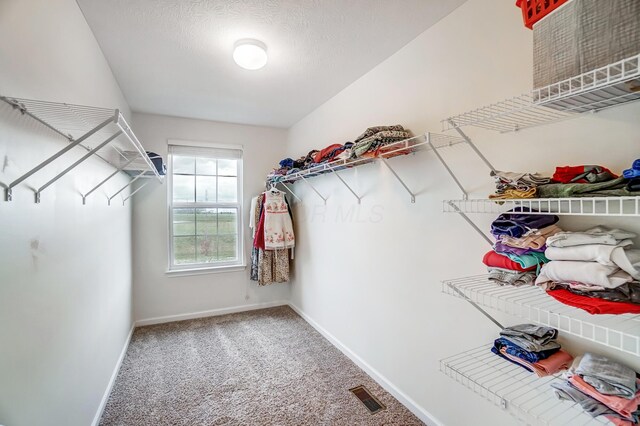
(369, 401)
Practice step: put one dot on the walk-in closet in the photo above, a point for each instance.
(319, 212)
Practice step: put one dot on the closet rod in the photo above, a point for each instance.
(314, 189)
(75, 164)
(386, 163)
(335, 172)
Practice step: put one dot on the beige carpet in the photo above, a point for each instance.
(266, 367)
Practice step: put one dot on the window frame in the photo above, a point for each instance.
(204, 267)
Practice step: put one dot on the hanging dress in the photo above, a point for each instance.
(278, 227)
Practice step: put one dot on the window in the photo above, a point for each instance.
(205, 208)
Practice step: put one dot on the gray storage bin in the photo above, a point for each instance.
(584, 35)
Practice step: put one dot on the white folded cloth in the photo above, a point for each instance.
(591, 273)
(608, 255)
(597, 235)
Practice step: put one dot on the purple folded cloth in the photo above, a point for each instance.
(516, 222)
(504, 249)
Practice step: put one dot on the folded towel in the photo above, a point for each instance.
(596, 235)
(594, 408)
(591, 273)
(531, 337)
(607, 376)
(608, 255)
(624, 406)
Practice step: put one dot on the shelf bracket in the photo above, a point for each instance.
(71, 167)
(138, 176)
(134, 192)
(105, 180)
(122, 124)
(335, 172)
(465, 195)
(470, 222)
(471, 144)
(290, 191)
(386, 163)
(314, 189)
(475, 305)
(8, 190)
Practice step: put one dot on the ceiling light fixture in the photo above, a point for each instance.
(250, 54)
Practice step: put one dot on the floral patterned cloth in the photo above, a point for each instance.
(278, 228)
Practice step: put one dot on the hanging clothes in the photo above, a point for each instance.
(278, 227)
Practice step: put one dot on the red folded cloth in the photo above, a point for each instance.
(582, 174)
(497, 260)
(593, 305)
(622, 406)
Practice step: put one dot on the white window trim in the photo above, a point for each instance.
(203, 268)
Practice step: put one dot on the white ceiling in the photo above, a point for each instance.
(174, 57)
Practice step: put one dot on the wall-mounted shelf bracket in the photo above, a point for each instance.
(105, 180)
(347, 185)
(293, 194)
(134, 192)
(465, 195)
(126, 186)
(472, 145)
(470, 222)
(386, 163)
(472, 303)
(324, 199)
(8, 190)
(71, 167)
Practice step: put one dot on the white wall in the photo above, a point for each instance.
(383, 261)
(158, 295)
(65, 268)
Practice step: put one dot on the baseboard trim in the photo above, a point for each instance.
(210, 313)
(416, 409)
(112, 380)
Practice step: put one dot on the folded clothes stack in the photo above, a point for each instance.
(517, 185)
(370, 143)
(594, 270)
(602, 387)
(533, 348)
(568, 181)
(518, 252)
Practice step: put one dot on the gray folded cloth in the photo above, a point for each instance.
(594, 408)
(531, 337)
(507, 277)
(596, 235)
(607, 376)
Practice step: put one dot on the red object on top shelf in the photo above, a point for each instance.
(535, 10)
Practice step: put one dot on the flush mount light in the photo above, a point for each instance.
(250, 54)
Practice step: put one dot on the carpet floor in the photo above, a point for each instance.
(266, 367)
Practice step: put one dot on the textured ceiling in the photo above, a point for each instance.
(174, 57)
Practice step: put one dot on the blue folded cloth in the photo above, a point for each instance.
(633, 172)
(515, 350)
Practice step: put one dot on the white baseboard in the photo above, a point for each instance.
(210, 313)
(107, 392)
(416, 409)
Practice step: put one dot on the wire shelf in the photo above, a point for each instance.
(403, 147)
(522, 394)
(621, 332)
(92, 128)
(605, 87)
(593, 206)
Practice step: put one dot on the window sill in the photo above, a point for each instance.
(204, 271)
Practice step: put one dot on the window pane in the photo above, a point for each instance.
(207, 249)
(184, 250)
(182, 164)
(206, 188)
(205, 166)
(228, 189)
(184, 222)
(206, 220)
(227, 221)
(227, 247)
(228, 167)
(183, 188)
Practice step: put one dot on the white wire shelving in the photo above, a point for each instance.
(90, 128)
(427, 142)
(522, 394)
(602, 88)
(620, 332)
(592, 206)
